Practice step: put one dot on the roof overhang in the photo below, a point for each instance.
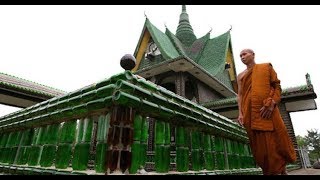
(22, 93)
(302, 105)
(19, 99)
(184, 64)
(295, 102)
(300, 101)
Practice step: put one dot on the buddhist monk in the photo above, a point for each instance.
(259, 94)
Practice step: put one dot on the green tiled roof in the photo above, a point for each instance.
(176, 42)
(166, 47)
(297, 89)
(214, 54)
(195, 50)
(210, 54)
(184, 31)
(15, 83)
(213, 58)
(223, 77)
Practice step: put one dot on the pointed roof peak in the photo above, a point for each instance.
(184, 31)
(184, 8)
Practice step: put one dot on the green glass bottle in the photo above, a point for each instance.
(143, 154)
(100, 160)
(48, 155)
(195, 158)
(63, 155)
(12, 154)
(207, 143)
(209, 164)
(137, 125)
(166, 158)
(144, 130)
(180, 137)
(35, 155)
(19, 155)
(219, 161)
(103, 127)
(159, 132)
(182, 159)
(136, 152)
(159, 159)
(195, 139)
(4, 139)
(80, 156)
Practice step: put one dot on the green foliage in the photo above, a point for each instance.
(313, 141)
(301, 141)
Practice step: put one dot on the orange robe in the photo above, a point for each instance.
(269, 140)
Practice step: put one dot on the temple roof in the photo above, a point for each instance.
(289, 94)
(209, 54)
(19, 92)
(10, 81)
(184, 31)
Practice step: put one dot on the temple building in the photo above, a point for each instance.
(172, 110)
(203, 70)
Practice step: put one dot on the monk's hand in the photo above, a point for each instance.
(266, 111)
(240, 119)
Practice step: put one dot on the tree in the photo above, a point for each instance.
(313, 141)
(301, 141)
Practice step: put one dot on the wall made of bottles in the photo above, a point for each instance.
(104, 128)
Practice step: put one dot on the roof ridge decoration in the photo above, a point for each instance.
(184, 31)
(29, 86)
(33, 82)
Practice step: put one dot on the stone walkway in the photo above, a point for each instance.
(308, 171)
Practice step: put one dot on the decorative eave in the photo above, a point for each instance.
(19, 92)
(299, 98)
(185, 64)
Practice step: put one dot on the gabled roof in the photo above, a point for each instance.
(214, 54)
(12, 82)
(213, 57)
(22, 93)
(209, 54)
(162, 40)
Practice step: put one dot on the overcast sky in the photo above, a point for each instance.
(68, 47)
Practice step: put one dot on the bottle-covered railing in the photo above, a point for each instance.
(122, 125)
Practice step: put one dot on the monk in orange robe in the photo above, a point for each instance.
(259, 93)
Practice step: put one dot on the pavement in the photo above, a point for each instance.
(307, 171)
(302, 171)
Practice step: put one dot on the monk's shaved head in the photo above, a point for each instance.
(247, 57)
(248, 51)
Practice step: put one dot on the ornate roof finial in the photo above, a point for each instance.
(230, 27)
(184, 31)
(210, 30)
(309, 84)
(184, 8)
(145, 15)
